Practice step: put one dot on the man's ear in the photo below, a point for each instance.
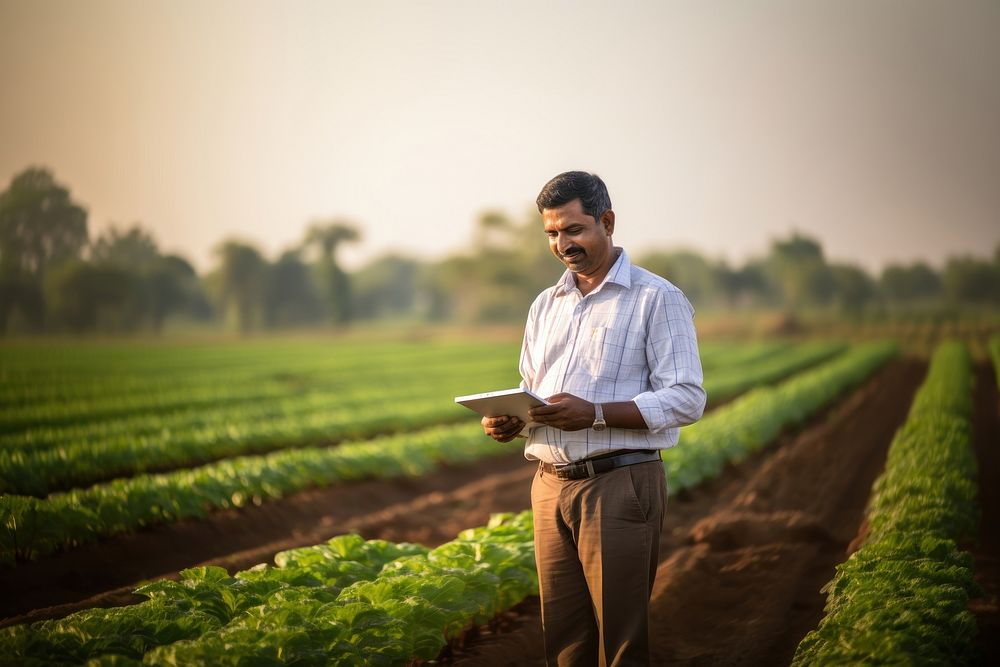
(608, 221)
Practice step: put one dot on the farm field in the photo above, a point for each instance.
(126, 463)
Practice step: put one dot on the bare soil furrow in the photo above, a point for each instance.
(986, 550)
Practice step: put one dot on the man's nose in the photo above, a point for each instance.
(562, 242)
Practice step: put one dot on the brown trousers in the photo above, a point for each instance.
(596, 547)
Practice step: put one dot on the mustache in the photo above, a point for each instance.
(572, 250)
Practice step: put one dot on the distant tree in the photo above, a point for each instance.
(240, 279)
(134, 249)
(701, 282)
(495, 229)
(509, 264)
(40, 225)
(85, 297)
(971, 281)
(798, 268)
(171, 286)
(161, 285)
(327, 237)
(916, 282)
(290, 296)
(40, 228)
(21, 300)
(854, 288)
(750, 285)
(389, 286)
(133, 252)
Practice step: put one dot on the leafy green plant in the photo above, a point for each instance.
(203, 599)
(902, 597)
(348, 601)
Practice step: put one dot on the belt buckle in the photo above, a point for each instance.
(577, 470)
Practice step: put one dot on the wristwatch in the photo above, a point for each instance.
(599, 423)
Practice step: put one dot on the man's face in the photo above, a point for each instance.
(577, 240)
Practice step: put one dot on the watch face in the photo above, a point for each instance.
(599, 426)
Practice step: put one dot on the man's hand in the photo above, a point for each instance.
(565, 412)
(502, 429)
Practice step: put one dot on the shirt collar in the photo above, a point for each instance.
(619, 274)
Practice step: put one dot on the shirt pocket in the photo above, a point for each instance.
(605, 351)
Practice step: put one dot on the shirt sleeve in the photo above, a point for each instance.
(677, 396)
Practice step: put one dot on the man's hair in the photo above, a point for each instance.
(570, 185)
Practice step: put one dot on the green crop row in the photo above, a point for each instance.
(204, 599)
(40, 374)
(145, 424)
(722, 383)
(717, 354)
(33, 527)
(267, 381)
(32, 463)
(292, 422)
(734, 430)
(902, 597)
(296, 396)
(51, 386)
(38, 473)
(346, 602)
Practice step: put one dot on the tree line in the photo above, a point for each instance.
(55, 277)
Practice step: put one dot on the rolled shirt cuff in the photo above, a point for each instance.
(652, 412)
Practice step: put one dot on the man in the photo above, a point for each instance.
(613, 347)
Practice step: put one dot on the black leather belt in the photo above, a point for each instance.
(592, 467)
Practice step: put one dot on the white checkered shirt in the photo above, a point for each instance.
(631, 339)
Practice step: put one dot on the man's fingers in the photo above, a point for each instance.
(502, 428)
(549, 409)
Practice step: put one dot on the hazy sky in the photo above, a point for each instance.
(874, 126)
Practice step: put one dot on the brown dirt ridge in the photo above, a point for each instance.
(986, 549)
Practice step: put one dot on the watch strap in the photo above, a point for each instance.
(599, 423)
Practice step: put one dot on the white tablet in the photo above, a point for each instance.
(511, 402)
